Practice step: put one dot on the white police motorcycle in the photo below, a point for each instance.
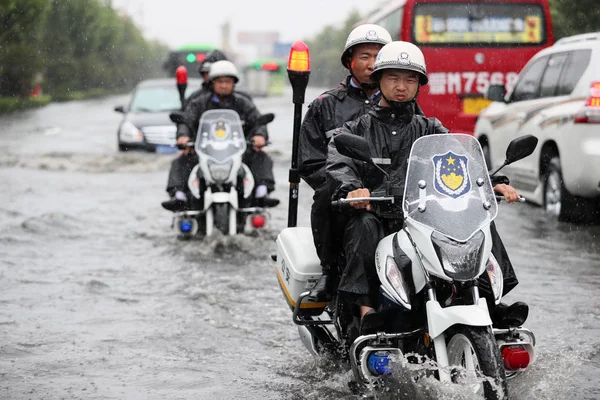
(221, 185)
(428, 271)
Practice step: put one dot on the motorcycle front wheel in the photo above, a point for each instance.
(475, 351)
(221, 217)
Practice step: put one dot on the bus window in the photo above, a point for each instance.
(478, 24)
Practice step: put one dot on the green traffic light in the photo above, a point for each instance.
(191, 57)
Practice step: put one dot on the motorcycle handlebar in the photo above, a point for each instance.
(191, 144)
(185, 146)
(521, 199)
(344, 204)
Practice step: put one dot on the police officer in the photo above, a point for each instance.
(355, 96)
(390, 129)
(220, 94)
(211, 57)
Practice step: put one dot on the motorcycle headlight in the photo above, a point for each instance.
(460, 261)
(130, 133)
(397, 280)
(219, 172)
(496, 278)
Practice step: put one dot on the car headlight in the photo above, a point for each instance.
(496, 278)
(130, 133)
(219, 172)
(460, 261)
(397, 280)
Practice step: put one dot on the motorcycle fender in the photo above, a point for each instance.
(440, 319)
(220, 197)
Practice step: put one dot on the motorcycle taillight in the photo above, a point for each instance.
(515, 357)
(258, 221)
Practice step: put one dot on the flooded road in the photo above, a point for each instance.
(100, 300)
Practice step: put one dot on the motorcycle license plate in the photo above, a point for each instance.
(165, 149)
(474, 105)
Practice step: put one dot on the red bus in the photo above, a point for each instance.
(468, 45)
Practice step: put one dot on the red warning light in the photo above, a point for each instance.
(299, 60)
(181, 74)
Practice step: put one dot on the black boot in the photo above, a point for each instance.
(323, 290)
(174, 205)
(512, 316)
(371, 322)
(265, 202)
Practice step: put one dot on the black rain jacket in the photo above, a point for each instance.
(390, 133)
(328, 111)
(238, 102)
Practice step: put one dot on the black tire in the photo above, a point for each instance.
(123, 147)
(561, 204)
(221, 217)
(488, 356)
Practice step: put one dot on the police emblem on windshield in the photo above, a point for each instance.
(220, 130)
(451, 176)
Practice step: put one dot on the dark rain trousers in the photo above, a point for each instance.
(326, 226)
(259, 162)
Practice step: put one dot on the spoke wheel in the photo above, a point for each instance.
(560, 203)
(476, 351)
(552, 193)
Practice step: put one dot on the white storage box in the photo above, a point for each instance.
(298, 266)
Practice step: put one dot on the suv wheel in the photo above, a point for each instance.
(561, 204)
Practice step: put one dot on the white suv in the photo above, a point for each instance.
(557, 99)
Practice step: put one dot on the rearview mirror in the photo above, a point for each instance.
(265, 119)
(120, 109)
(496, 93)
(177, 117)
(520, 148)
(352, 146)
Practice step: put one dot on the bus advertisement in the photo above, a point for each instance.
(468, 45)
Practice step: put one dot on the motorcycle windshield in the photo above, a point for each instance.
(220, 135)
(448, 188)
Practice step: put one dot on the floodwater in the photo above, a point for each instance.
(100, 300)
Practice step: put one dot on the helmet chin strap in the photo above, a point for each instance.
(364, 85)
(400, 105)
(369, 86)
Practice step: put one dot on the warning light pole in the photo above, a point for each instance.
(298, 73)
(182, 80)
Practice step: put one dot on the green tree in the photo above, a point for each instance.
(89, 46)
(572, 17)
(19, 56)
(325, 52)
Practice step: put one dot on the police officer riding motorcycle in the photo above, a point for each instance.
(353, 97)
(220, 94)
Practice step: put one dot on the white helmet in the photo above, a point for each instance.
(223, 68)
(367, 33)
(400, 55)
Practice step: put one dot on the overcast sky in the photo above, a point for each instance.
(177, 22)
